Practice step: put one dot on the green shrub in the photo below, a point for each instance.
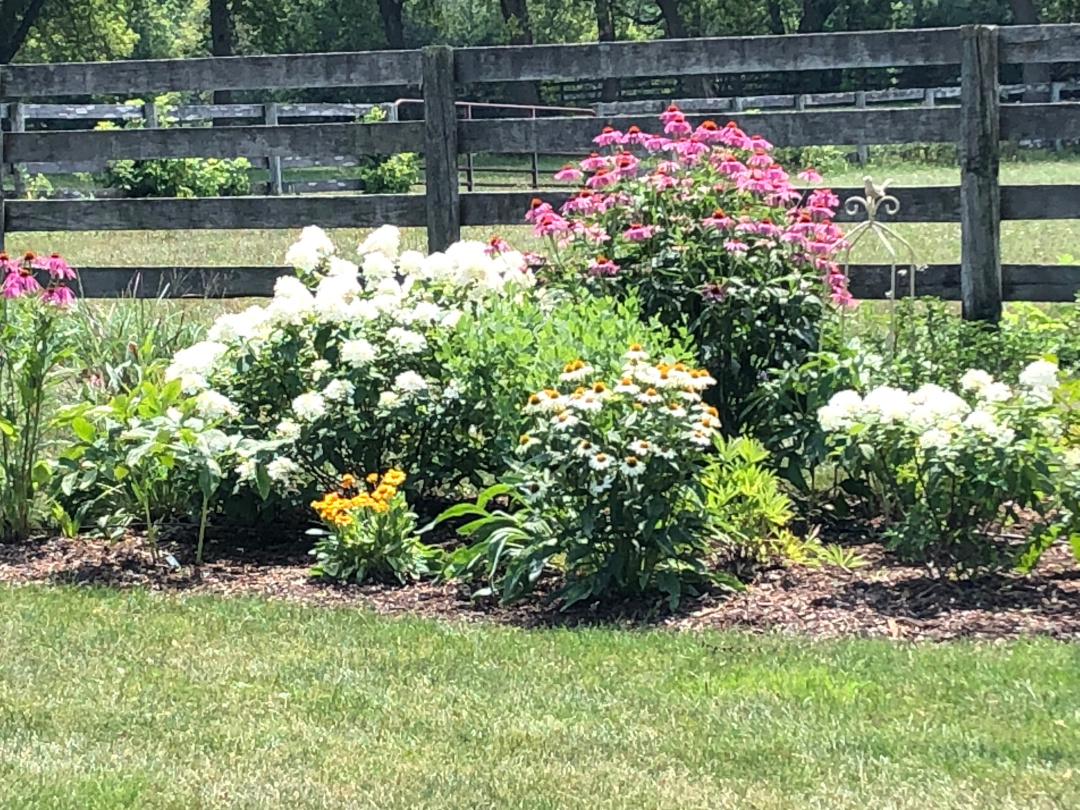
(392, 174)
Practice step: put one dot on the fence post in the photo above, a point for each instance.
(980, 195)
(3, 204)
(17, 116)
(273, 163)
(862, 151)
(441, 148)
(1055, 98)
(149, 114)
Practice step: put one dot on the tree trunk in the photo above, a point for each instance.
(1024, 12)
(221, 43)
(605, 28)
(516, 14)
(393, 23)
(690, 86)
(13, 34)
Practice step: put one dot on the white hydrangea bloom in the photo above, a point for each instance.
(214, 405)
(409, 382)
(976, 380)
(1040, 374)
(194, 364)
(469, 258)
(438, 267)
(245, 470)
(995, 392)
(378, 266)
(389, 399)
(316, 236)
(338, 390)
(341, 267)
(287, 429)
(282, 470)
(302, 256)
(935, 439)
(345, 286)
(309, 407)
(357, 352)
(450, 319)
(411, 263)
(234, 327)
(385, 240)
(890, 405)
(982, 422)
(405, 340)
(841, 411)
(425, 313)
(362, 310)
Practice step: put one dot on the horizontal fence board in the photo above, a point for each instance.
(1022, 282)
(362, 69)
(1021, 44)
(723, 55)
(185, 113)
(305, 140)
(351, 211)
(848, 127)
(1062, 121)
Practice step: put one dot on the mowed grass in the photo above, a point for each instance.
(1043, 242)
(114, 700)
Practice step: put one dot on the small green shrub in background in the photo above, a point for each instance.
(176, 177)
(392, 174)
(825, 160)
(947, 473)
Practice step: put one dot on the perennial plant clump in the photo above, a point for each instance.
(709, 231)
(947, 470)
(37, 342)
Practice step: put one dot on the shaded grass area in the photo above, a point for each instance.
(117, 700)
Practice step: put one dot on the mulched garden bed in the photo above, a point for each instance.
(883, 598)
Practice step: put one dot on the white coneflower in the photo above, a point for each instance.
(701, 437)
(626, 386)
(564, 421)
(640, 447)
(587, 402)
(675, 410)
(601, 486)
(526, 441)
(649, 396)
(636, 354)
(578, 370)
(600, 462)
(688, 394)
(631, 467)
(585, 449)
(665, 453)
(700, 379)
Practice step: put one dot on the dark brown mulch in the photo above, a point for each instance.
(882, 598)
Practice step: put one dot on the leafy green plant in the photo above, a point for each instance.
(176, 177)
(36, 349)
(391, 174)
(946, 473)
(370, 532)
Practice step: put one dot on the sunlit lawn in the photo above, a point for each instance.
(112, 700)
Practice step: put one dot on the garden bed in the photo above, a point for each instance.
(882, 598)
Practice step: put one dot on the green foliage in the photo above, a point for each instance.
(177, 177)
(37, 347)
(825, 159)
(369, 534)
(394, 174)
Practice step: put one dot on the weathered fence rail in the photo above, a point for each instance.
(977, 124)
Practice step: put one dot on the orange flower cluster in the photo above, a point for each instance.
(335, 507)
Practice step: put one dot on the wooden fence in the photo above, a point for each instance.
(978, 125)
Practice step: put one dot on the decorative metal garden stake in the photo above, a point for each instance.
(877, 200)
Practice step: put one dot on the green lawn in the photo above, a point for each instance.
(112, 700)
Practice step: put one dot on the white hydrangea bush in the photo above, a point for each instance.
(948, 470)
(339, 371)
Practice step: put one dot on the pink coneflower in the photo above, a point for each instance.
(638, 232)
(660, 182)
(56, 267)
(8, 264)
(568, 172)
(537, 209)
(735, 246)
(655, 143)
(733, 136)
(594, 162)
(602, 178)
(690, 149)
(719, 219)
(634, 135)
(496, 244)
(730, 165)
(549, 224)
(677, 126)
(603, 266)
(670, 114)
(58, 295)
(760, 159)
(608, 136)
(20, 282)
(809, 175)
(626, 164)
(757, 142)
(708, 132)
(585, 202)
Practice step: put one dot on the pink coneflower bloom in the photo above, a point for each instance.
(568, 172)
(670, 114)
(778, 177)
(661, 182)
(56, 267)
(757, 142)
(733, 136)
(793, 237)
(690, 149)
(603, 266)
(583, 201)
(549, 224)
(594, 162)
(719, 219)
(654, 143)
(735, 246)
(595, 234)
(638, 232)
(678, 126)
(667, 167)
(822, 203)
(730, 165)
(626, 164)
(8, 264)
(496, 244)
(608, 136)
(809, 175)
(760, 159)
(634, 135)
(537, 209)
(602, 178)
(58, 295)
(708, 132)
(20, 282)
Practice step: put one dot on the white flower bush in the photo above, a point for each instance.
(947, 471)
(340, 369)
